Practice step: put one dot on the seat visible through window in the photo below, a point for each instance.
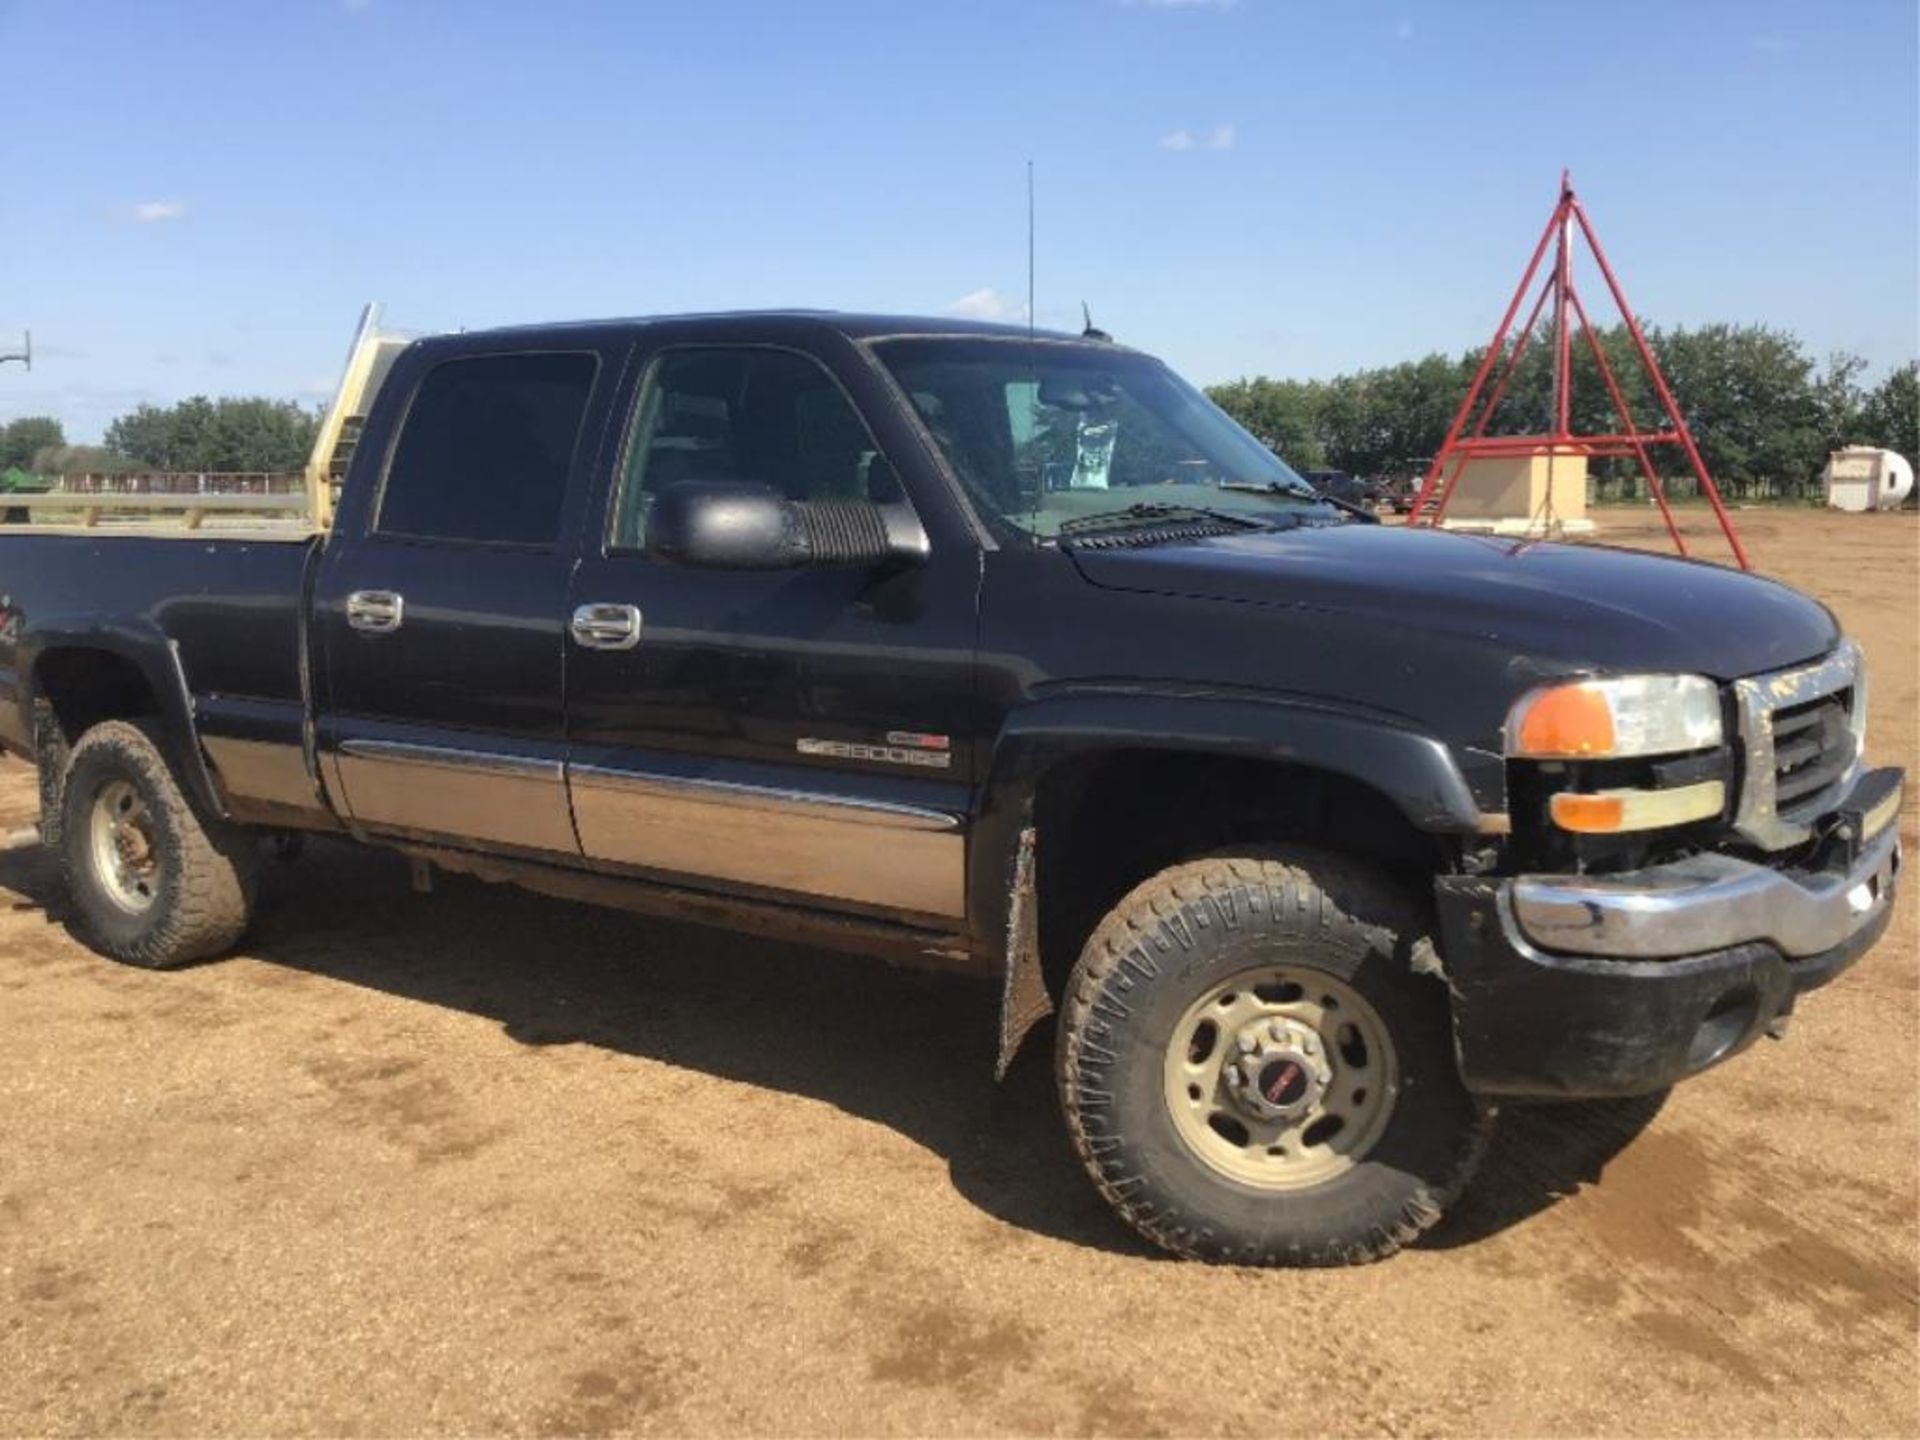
(762, 416)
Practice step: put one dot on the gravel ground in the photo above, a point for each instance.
(480, 1161)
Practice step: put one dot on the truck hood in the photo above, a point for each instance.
(1579, 606)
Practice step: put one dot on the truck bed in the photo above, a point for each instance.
(211, 627)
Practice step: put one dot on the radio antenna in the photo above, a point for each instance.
(1029, 250)
(1040, 479)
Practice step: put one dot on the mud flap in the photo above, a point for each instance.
(50, 754)
(1024, 1001)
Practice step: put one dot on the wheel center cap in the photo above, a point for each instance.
(1283, 1081)
(1279, 1070)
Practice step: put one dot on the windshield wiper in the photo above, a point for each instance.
(1148, 512)
(1287, 492)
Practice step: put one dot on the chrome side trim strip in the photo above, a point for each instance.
(902, 858)
(334, 783)
(261, 770)
(473, 762)
(443, 790)
(842, 809)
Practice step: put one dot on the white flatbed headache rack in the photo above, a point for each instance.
(369, 359)
(183, 506)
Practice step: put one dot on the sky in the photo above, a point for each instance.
(198, 196)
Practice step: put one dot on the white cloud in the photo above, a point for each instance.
(1221, 137)
(157, 212)
(987, 303)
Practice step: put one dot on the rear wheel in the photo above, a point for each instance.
(1253, 1071)
(156, 883)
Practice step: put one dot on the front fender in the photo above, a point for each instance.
(1413, 769)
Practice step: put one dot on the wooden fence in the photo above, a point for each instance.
(193, 496)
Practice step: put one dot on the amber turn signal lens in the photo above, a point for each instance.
(1612, 812)
(1572, 720)
(1589, 814)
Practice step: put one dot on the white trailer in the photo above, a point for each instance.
(1861, 478)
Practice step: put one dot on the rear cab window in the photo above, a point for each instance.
(486, 450)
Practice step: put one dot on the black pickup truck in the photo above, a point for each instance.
(1008, 653)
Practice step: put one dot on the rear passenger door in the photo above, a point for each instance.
(440, 604)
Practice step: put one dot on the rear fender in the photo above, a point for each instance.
(149, 650)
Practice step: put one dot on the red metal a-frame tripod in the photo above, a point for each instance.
(1462, 445)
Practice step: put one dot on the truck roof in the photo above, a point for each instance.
(298, 516)
(854, 325)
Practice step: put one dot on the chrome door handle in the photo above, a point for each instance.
(606, 627)
(377, 612)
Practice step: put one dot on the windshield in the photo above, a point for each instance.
(1045, 434)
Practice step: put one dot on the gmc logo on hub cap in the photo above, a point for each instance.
(1283, 1082)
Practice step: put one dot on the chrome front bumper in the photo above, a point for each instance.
(1709, 902)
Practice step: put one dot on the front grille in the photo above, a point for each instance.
(1800, 735)
(1812, 749)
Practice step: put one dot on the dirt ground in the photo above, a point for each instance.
(482, 1162)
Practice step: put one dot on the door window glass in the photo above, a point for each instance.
(486, 449)
(765, 417)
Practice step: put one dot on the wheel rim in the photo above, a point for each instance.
(125, 860)
(1281, 1077)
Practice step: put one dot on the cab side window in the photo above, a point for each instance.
(765, 417)
(486, 449)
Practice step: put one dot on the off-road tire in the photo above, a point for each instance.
(1157, 953)
(206, 870)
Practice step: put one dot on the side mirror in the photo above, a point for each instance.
(725, 524)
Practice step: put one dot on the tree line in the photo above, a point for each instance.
(1764, 413)
(233, 433)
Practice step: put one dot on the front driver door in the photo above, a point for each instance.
(795, 733)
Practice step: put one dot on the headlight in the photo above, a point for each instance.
(1615, 719)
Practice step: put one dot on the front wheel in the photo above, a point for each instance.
(156, 883)
(1253, 1071)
